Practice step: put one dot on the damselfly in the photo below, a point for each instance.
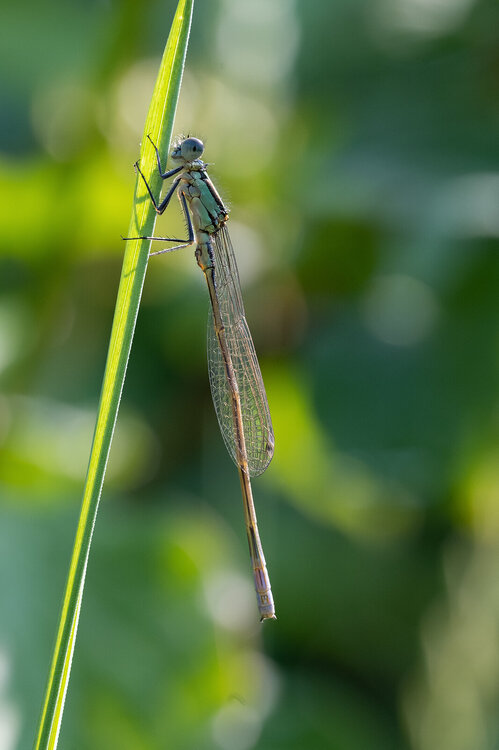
(235, 378)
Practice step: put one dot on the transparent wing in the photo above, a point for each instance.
(258, 432)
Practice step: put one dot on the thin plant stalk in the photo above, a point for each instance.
(159, 125)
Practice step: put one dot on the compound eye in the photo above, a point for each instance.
(191, 148)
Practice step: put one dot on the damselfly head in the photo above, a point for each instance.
(189, 149)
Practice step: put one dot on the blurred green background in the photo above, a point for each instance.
(356, 144)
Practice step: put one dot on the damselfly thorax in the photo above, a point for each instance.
(207, 209)
(208, 212)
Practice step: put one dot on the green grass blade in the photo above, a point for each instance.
(159, 125)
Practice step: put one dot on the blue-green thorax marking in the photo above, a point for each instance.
(207, 209)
